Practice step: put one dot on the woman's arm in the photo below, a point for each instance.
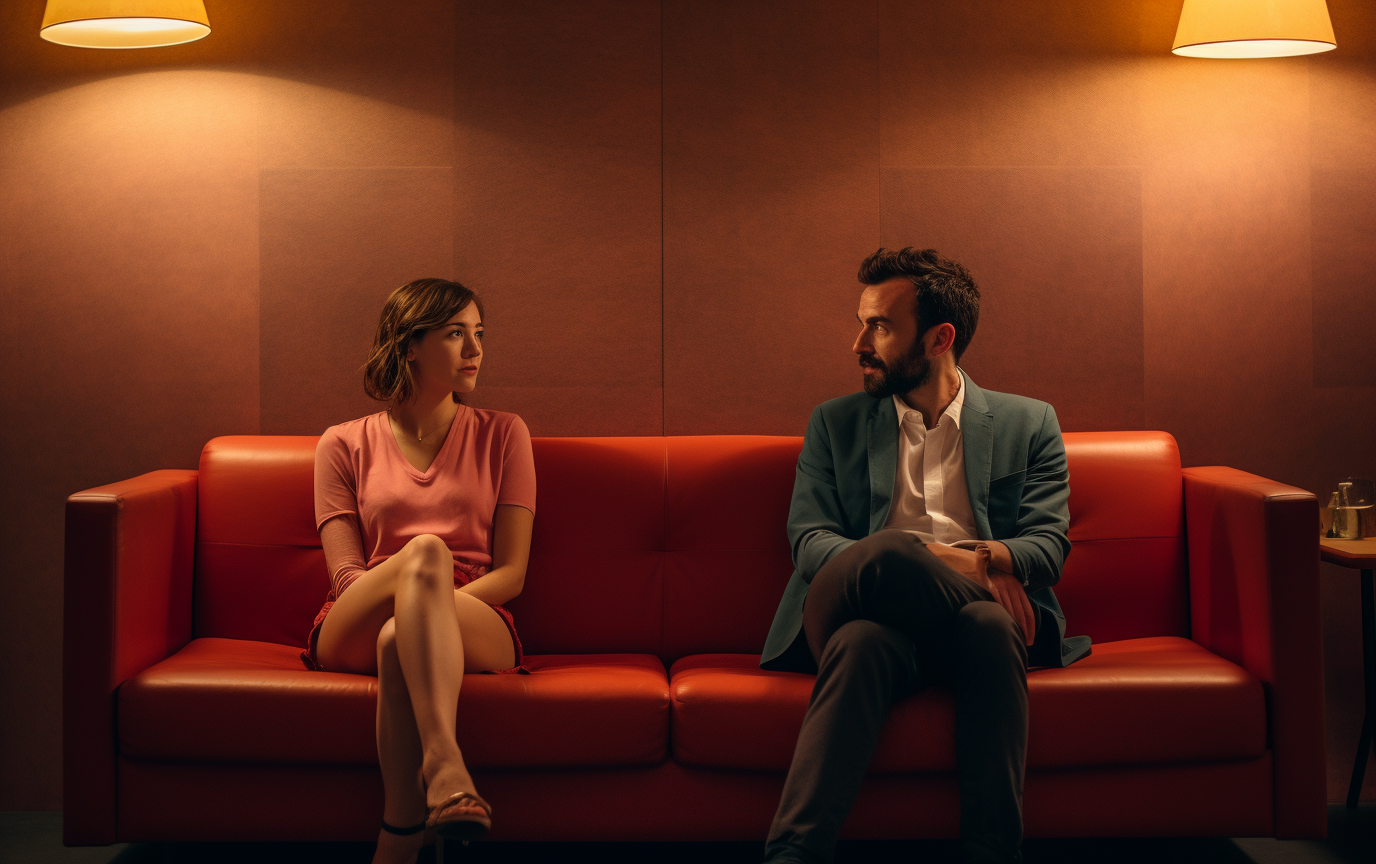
(336, 511)
(511, 529)
(343, 547)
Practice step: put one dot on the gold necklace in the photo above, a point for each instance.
(420, 439)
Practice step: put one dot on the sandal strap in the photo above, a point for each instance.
(461, 797)
(404, 832)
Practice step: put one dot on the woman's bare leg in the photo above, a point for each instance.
(399, 753)
(418, 628)
(430, 651)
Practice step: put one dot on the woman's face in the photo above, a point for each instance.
(448, 356)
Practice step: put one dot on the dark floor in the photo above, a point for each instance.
(36, 838)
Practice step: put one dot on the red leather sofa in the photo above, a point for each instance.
(655, 570)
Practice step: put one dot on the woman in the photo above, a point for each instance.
(425, 513)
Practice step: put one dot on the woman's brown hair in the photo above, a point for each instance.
(411, 310)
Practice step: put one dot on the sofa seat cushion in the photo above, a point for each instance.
(1140, 701)
(231, 700)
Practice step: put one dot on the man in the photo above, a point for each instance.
(928, 524)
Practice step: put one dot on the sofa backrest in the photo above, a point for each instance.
(1126, 574)
(670, 546)
(260, 573)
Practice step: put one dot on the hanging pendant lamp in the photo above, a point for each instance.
(1253, 28)
(124, 23)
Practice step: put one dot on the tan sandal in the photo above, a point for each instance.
(461, 816)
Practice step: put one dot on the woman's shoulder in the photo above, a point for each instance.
(500, 422)
(351, 435)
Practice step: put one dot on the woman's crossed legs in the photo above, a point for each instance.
(404, 621)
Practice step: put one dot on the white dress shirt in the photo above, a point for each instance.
(930, 497)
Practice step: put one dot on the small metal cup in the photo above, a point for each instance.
(1355, 517)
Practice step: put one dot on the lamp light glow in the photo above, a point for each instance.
(1234, 29)
(124, 23)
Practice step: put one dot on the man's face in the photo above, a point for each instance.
(891, 353)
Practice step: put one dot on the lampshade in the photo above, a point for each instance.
(124, 23)
(1253, 28)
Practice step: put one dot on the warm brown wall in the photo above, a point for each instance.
(665, 203)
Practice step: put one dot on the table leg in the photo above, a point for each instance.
(1354, 791)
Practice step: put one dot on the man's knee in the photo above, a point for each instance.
(986, 617)
(985, 629)
(880, 556)
(897, 553)
(892, 550)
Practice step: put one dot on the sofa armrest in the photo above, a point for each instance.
(127, 605)
(1254, 599)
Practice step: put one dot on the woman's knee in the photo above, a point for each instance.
(428, 561)
(426, 547)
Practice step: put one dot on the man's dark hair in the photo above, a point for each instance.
(946, 293)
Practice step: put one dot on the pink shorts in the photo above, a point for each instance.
(463, 574)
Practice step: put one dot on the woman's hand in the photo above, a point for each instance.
(512, 526)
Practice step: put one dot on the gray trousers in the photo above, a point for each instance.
(884, 619)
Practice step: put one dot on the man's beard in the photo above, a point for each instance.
(908, 373)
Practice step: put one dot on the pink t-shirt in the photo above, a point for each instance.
(486, 460)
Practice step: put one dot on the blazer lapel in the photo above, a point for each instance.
(977, 437)
(883, 454)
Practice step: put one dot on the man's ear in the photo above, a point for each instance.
(943, 339)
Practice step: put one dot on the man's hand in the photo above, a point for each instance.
(973, 564)
(1008, 590)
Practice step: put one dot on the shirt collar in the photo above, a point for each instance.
(953, 410)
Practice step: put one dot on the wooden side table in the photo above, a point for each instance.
(1360, 555)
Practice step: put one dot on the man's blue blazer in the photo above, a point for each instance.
(1015, 469)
